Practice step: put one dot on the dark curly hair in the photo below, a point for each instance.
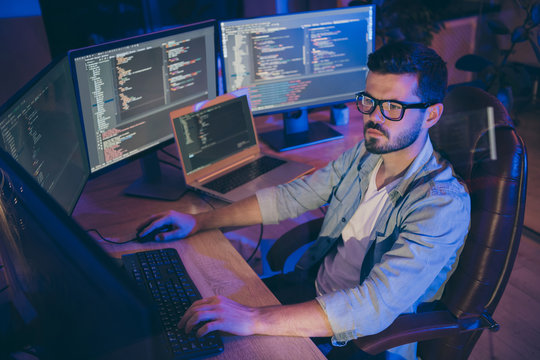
(413, 58)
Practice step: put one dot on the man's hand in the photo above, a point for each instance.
(219, 313)
(183, 225)
(241, 213)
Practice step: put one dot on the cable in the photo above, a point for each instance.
(208, 202)
(5, 287)
(169, 154)
(107, 240)
(170, 164)
(258, 244)
(260, 235)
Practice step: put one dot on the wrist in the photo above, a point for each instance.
(258, 325)
(201, 222)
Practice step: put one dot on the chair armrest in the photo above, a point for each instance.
(291, 241)
(408, 328)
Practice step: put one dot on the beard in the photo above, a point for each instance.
(402, 140)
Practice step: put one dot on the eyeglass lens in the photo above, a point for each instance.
(390, 109)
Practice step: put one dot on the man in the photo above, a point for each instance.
(396, 218)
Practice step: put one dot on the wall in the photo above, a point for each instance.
(23, 37)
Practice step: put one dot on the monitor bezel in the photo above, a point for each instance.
(70, 239)
(75, 53)
(292, 108)
(25, 88)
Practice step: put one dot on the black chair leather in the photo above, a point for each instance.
(450, 328)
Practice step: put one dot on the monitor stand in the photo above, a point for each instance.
(298, 132)
(156, 182)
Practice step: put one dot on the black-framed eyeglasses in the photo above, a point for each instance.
(390, 109)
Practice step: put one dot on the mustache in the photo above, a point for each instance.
(375, 126)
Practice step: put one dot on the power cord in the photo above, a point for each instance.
(170, 164)
(258, 244)
(169, 154)
(202, 197)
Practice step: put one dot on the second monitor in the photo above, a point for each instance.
(126, 90)
(297, 61)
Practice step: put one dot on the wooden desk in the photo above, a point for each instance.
(212, 262)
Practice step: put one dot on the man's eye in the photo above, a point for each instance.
(393, 106)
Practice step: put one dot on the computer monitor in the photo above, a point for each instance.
(297, 61)
(126, 90)
(40, 127)
(67, 298)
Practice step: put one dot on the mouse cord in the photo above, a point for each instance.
(107, 240)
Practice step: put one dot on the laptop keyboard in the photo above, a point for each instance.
(162, 274)
(244, 174)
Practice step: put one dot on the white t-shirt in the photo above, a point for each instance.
(341, 270)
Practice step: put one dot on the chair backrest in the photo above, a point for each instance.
(497, 189)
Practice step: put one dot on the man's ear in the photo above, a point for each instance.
(433, 114)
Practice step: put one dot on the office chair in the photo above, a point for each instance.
(450, 327)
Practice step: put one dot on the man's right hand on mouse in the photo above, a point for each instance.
(183, 225)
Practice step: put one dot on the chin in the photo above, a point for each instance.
(374, 147)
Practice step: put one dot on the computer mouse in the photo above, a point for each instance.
(151, 236)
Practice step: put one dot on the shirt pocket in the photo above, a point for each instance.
(346, 188)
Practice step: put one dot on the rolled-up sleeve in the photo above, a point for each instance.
(431, 233)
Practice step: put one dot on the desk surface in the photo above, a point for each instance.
(212, 262)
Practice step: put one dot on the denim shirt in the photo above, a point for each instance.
(413, 246)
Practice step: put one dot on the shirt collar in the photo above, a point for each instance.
(418, 163)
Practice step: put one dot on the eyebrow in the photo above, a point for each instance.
(396, 100)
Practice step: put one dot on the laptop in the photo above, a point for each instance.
(220, 152)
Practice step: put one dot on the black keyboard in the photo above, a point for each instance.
(163, 275)
(244, 174)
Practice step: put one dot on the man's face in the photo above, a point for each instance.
(381, 135)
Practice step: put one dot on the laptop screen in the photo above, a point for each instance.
(208, 134)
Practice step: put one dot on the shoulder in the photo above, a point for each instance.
(356, 154)
(439, 189)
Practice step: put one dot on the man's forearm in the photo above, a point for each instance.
(241, 213)
(305, 319)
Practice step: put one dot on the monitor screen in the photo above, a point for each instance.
(65, 296)
(299, 60)
(40, 128)
(127, 88)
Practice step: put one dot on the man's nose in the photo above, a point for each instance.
(377, 115)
